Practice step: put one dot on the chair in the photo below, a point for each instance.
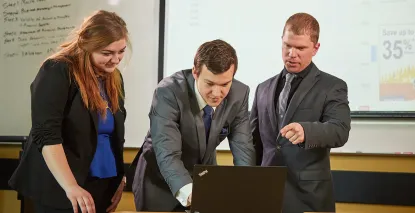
(26, 206)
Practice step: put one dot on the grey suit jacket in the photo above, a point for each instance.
(320, 105)
(176, 140)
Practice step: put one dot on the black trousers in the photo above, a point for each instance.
(101, 190)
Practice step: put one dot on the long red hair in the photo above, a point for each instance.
(96, 32)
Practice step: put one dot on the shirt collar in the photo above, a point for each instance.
(301, 74)
(200, 101)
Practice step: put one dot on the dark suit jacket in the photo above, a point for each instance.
(320, 105)
(176, 140)
(60, 117)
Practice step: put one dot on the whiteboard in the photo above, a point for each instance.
(32, 29)
(368, 43)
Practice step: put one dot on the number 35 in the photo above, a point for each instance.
(396, 48)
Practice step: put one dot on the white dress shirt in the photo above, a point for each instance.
(183, 194)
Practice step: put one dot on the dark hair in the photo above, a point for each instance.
(217, 56)
(303, 24)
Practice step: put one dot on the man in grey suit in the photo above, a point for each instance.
(191, 113)
(298, 116)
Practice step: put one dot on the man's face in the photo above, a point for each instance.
(213, 87)
(297, 51)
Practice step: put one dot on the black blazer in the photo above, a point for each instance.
(320, 105)
(60, 117)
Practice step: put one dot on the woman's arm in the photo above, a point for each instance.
(57, 163)
(49, 93)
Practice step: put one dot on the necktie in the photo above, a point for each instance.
(283, 98)
(207, 119)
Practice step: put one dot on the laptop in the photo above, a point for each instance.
(228, 189)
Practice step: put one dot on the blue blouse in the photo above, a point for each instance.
(103, 164)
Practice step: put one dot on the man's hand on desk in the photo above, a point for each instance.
(184, 195)
(189, 200)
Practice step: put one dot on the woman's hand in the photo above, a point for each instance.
(57, 163)
(117, 196)
(79, 196)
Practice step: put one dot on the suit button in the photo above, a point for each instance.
(278, 147)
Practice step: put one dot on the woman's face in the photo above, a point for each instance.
(107, 58)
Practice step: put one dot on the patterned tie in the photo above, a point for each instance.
(207, 119)
(283, 98)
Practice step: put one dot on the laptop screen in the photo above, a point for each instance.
(220, 189)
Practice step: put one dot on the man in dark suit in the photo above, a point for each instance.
(191, 113)
(298, 116)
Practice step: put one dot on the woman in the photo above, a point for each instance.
(73, 159)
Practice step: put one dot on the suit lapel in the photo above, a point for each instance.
(94, 116)
(118, 122)
(308, 82)
(271, 103)
(196, 112)
(215, 128)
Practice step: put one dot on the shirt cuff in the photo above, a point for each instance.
(183, 194)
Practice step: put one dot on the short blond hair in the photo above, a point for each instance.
(303, 24)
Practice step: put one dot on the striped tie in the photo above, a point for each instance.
(283, 98)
